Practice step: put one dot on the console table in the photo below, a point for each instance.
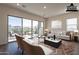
(76, 38)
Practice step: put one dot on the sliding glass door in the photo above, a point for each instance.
(27, 28)
(35, 29)
(41, 28)
(14, 27)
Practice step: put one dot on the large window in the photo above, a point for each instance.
(27, 28)
(35, 28)
(72, 24)
(41, 28)
(14, 26)
(56, 24)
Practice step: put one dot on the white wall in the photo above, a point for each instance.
(7, 10)
(63, 18)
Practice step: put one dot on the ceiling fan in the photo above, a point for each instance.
(72, 8)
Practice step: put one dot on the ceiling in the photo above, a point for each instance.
(52, 9)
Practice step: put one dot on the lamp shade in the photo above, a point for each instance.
(46, 30)
(75, 30)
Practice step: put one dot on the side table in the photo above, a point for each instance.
(76, 38)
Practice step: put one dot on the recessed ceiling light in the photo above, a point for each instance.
(44, 7)
(18, 4)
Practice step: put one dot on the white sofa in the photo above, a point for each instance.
(67, 35)
(64, 37)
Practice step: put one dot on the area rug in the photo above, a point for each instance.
(66, 48)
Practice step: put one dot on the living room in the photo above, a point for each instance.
(47, 25)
